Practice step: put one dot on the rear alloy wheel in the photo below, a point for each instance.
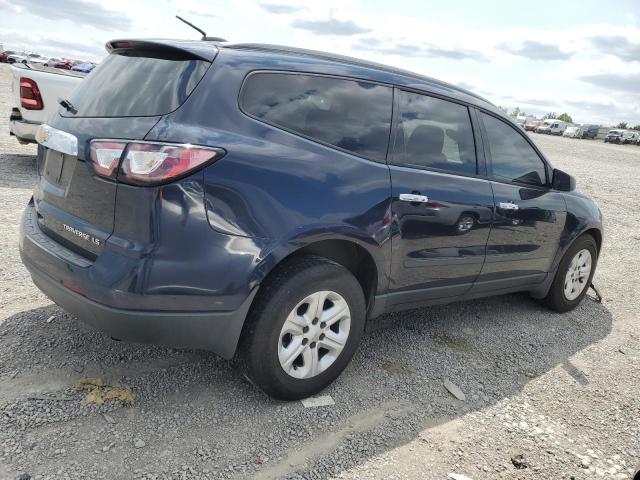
(304, 327)
(314, 334)
(573, 276)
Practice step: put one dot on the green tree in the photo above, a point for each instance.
(622, 125)
(565, 117)
(637, 127)
(517, 112)
(550, 115)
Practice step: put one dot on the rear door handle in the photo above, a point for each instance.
(413, 198)
(508, 206)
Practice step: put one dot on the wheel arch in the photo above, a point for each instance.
(359, 257)
(366, 257)
(594, 231)
(351, 255)
(364, 260)
(596, 234)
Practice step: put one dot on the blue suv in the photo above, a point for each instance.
(272, 201)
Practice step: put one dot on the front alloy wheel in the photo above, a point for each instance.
(573, 275)
(578, 274)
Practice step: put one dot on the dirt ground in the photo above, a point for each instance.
(548, 396)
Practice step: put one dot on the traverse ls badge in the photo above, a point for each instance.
(81, 234)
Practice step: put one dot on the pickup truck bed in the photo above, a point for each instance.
(52, 84)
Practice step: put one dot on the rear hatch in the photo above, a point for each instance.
(123, 98)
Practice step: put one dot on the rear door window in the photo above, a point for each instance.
(434, 133)
(351, 115)
(137, 84)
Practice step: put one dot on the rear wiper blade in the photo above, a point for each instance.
(67, 105)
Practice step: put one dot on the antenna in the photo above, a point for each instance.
(204, 34)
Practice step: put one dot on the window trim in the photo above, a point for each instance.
(481, 158)
(393, 153)
(307, 137)
(489, 159)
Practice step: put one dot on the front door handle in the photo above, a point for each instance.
(413, 198)
(508, 206)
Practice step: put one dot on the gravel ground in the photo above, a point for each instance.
(547, 395)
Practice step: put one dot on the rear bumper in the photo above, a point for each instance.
(23, 130)
(58, 272)
(215, 331)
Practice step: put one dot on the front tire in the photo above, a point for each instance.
(303, 328)
(573, 276)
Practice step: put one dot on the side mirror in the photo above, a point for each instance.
(563, 181)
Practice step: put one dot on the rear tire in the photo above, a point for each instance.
(571, 282)
(286, 318)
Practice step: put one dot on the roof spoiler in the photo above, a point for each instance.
(197, 50)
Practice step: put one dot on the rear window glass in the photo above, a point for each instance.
(137, 84)
(434, 133)
(348, 114)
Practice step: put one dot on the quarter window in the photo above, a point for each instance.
(434, 133)
(351, 115)
(512, 157)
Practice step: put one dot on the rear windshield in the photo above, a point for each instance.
(136, 84)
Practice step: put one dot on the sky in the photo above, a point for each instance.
(576, 56)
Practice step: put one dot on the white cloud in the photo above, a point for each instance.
(581, 68)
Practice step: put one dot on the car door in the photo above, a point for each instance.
(529, 215)
(441, 207)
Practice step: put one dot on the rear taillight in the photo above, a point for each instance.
(105, 156)
(149, 163)
(30, 97)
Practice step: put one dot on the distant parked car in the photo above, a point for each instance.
(558, 127)
(544, 126)
(16, 57)
(589, 131)
(552, 126)
(26, 57)
(5, 54)
(51, 62)
(629, 136)
(84, 67)
(531, 125)
(572, 131)
(34, 58)
(614, 136)
(66, 64)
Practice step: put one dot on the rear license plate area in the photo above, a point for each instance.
(53, 166)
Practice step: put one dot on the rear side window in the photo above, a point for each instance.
(351, 115)
(137, 84)
(512, 158)
(434, 133)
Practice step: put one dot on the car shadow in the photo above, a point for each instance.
(392, 390)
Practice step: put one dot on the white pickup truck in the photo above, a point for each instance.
(36, 91)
